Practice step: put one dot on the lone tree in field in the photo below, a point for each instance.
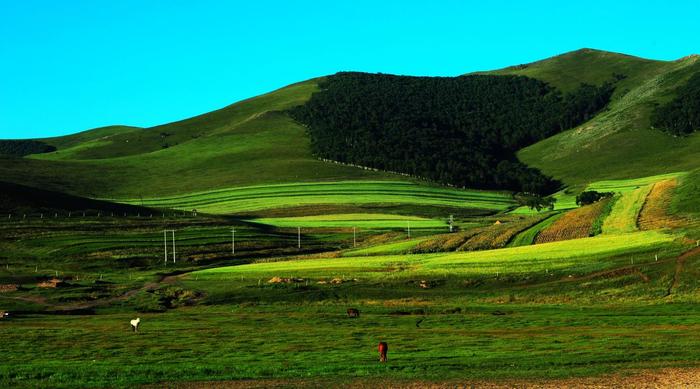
(534, 201)
(591, 196)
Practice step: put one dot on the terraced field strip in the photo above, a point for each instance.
(528, 236)
(655, 213)
(625, 211)
(85, 242)
(254, 198)
(566, 199)
(577, 223)
(399, 247)
(577, 255)
(623, 186)
(349, 220)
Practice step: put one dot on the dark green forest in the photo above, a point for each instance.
(20, 148)
(681, 116)
(461, 131)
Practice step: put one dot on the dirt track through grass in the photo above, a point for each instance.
(680, 264)
(681, 378)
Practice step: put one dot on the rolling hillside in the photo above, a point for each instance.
(619, 142)
(248, 143)
(258, 284)
(255, 143)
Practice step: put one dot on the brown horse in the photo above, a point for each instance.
(352, 312)
(383, 349)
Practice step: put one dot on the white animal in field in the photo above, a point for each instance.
(135, 324)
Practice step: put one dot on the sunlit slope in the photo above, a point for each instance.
(619, 142)
(89, 138)
(567, 71)
(125, 141)
(579, 255)
(248, 143)
(254, 142)
(254, 198)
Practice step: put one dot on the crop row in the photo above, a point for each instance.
(579, 254)
(360, 192)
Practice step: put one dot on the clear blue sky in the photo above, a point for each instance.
(67, 66)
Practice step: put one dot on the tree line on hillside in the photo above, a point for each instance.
(461, 131)
(681, 116)
(20, 148)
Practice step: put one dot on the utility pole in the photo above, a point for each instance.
(451, 222)
(233, 241)
(165, 245)
(298, 237)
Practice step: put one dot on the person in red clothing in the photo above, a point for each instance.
(383, 348)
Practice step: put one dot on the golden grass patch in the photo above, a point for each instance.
(655, 211)
(575, 224)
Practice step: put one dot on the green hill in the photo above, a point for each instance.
(254, 142)
(248, 143)
(619, 142)
(464, 285)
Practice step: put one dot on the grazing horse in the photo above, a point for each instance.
(135, 324)
(383, 349)
(353, 312)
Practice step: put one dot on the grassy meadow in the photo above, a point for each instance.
(571, 254)
(273, 310)
(256, 198)
(370, 220)
(283, 243)
(482, 315)
(482, 303)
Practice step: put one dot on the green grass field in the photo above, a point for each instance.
(495, 314)
(256, 198)
(624, 186)
(625, 211)
(217, 343)
(508, 313)
(274, 306)
(575, 255)
(394, 247)
(686, 200)
(566, 198)
(359, 220)
(528, 236)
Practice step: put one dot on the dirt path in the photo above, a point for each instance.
(680, 264)
(86, 305)
(30, 299)
(644, 379)
(163, 279)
